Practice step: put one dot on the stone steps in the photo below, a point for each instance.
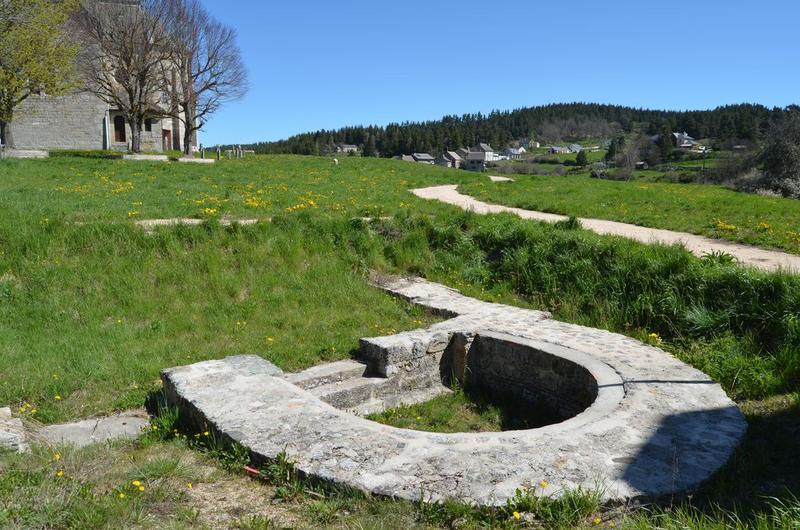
(377, 405)
(350, 393)
(327, 373)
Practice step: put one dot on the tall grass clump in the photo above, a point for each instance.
(740, 324)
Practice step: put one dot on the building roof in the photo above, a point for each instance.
(423, 157)
(452, 155)
(407, 158)
(477, 155)
(486, 148)
(684, 135)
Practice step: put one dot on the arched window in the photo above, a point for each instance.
(119, 129)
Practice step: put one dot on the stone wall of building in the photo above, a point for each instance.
(78, 122)
(68, 122)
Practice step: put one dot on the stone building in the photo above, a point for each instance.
(81, 120)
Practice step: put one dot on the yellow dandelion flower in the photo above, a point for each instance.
(597, 521)
(60, 473)
(136, 483)
(517, 516)
(141, 488)
(121, 495)
(189, 486)
(58, 398)
(205, 433)
(56, 456)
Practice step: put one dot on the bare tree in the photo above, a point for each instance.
(208, 63)
(128, 48)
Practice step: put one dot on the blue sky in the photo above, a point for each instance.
(316, 64)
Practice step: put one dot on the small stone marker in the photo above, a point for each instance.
(12, 432)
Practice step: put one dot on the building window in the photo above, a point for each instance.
(119, 129)
(148, 125)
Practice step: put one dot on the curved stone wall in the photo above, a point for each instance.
(657, 427)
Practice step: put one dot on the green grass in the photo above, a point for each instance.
(453, 412)
(84, 190)
(696, 208)
(91, 313)
(466, 410)
(91, 309)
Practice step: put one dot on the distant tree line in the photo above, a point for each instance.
(548, 124)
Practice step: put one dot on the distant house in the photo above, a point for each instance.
(346, 148)
(575, 148)
(450, 159)
(559, 150)
(484, 148)
(515, 153)
(687, 143)
(423, 158)
(405, 158)
(476, 160)
(462, 152)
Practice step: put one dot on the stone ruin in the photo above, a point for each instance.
(628, 417)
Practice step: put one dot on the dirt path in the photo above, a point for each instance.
(756, 257)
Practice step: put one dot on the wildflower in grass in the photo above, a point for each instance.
(189, 486)
(654, 338)
(210, 212)
(56, 457)
(270, 339)
(141, 488)
(764, 227)
(133, 213)
(719, 224)
(596, 521)
(517, 516)
(121, 495)
(55, 377)
(205, 434)
(57, 397)
(60, 473)
(136, 483)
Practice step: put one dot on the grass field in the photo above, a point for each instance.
(696, 208)
(91, 308)
(81, 190)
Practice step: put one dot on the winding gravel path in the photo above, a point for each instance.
(769, 260)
